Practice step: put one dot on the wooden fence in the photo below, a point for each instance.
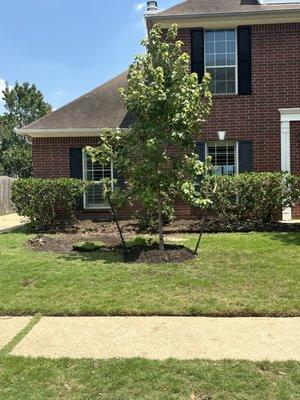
(6, 205)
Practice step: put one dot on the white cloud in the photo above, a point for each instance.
(59, 92)
(2, 86)
(139, 6)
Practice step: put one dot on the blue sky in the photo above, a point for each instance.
(67, 47)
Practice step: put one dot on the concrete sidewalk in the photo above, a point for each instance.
(11, 221)
(10, 327)
(159, 338)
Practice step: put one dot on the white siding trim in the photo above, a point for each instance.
(287, 116)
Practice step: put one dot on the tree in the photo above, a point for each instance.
(17, 161)
(23, 104)
(157, 153)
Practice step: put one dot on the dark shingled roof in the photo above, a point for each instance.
(206, 7)
(99, 108)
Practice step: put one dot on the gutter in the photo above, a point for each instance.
(61, 132)
(67, 132)
(224, 15)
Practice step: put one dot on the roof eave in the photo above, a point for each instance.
(51, 133)
(61, 132)
(245, 17)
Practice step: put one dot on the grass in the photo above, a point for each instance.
(235, 274)
(138, 379)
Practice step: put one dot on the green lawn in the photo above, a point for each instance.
(41, 379)
(235, 274)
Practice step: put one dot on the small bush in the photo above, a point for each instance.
(251, 196)
(139, 241)
(47, 202)
(87, 247)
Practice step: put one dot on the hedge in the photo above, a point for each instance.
(251, 196)
(47, 202)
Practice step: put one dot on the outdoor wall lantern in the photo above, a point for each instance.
(221, 135)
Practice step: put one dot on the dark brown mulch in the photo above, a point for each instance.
(63, 243)
(152, 255)
(227, 226)
(106, 232)
(92, 228)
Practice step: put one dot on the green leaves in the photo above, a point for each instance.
(170, 107)
(24, 103)
(255, 196)
(17, 161)
(157, 153)
(47, 202)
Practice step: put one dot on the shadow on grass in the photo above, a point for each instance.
(20, 229)
(288, 238)
(105, 257)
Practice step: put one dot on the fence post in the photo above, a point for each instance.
(6, 205)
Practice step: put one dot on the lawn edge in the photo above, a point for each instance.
(233, 314)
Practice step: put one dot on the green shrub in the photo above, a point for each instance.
(138, 241)
(88, 246)
(47, 202)
(255, 196)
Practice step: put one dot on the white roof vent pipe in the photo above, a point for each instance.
(151, 6)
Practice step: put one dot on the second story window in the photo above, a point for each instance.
(221, 60)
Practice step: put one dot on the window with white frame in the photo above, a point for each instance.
(224, 156)
(221, 60)
(95, 172)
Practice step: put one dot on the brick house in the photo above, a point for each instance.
(252, 50)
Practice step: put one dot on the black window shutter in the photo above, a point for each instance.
(244, 60)
(200, 150)
(245, 156)
(120, 180)
(197, 52)
(75, 163)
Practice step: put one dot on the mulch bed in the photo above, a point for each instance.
(222, 226)
(106, 232)
(152, 254)
(63, 243)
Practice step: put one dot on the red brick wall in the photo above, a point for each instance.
(275, 84)
(51, 155)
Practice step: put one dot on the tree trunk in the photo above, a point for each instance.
(160, 223)
(116, 220)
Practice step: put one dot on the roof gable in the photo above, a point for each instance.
(99, 108)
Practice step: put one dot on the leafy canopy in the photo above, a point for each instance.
(23, 103)
(157, 154)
